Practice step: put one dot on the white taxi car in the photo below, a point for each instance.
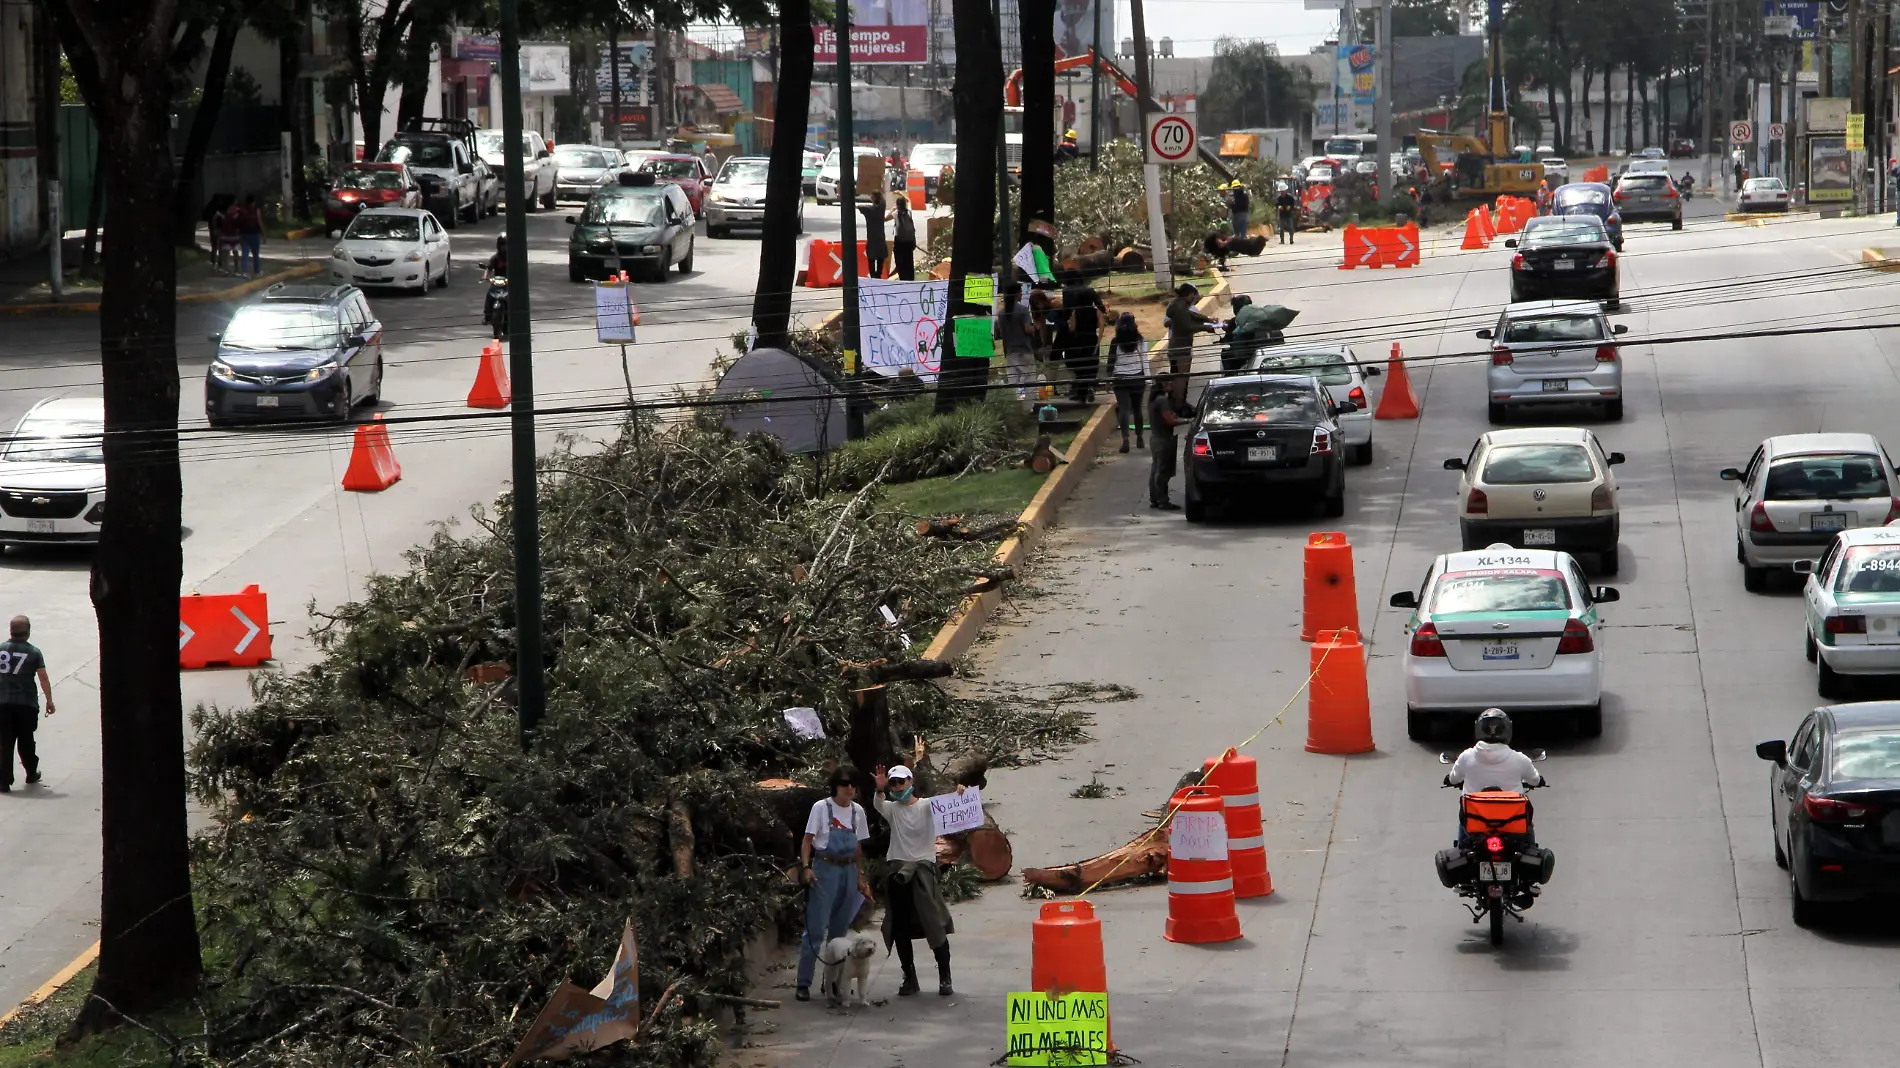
(1508, 628)
(1799, 490)
(1853, 607)
(1540, 488)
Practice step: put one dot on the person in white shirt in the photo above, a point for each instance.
(829, 854)
(1128, 366)
(916, 906)
(1492, 764)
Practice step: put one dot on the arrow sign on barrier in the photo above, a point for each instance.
(1369, 256)
(230, 629)
(185, 634)
(251, 629)
(1411, 250)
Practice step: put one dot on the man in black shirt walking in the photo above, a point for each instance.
(21, 665)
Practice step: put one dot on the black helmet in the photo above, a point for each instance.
(1494, 726)
(501, 242)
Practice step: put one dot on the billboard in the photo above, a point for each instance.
(1830, 169)
(1790, 18)
(882, 31)
(639, 77)
(1354, 73)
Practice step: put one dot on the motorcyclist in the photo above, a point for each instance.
(498, 263)
(1687, 183)
(1492, 764)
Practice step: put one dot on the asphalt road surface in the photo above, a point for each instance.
(264, 507)
(1665, 937)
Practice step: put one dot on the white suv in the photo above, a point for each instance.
(1554, 352)
(53, 474)
(1800, 490)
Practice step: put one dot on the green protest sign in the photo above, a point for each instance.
(973, 340)
(1071, 1029)
(979, 289)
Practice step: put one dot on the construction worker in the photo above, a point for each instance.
(1067, 150)
(1240, 204)
(1543, 197)
(1286, 208)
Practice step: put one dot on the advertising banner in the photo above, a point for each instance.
(882, 31)
(1354, 73)
(1790, 18)
(1830, 170)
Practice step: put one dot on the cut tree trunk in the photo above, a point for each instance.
(979, 111)
(869, 743)
(1143, 859)
(778, 244)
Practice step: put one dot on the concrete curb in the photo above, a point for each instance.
(1747, 218)
(51, 986)
(1879, 259)
(243, 289)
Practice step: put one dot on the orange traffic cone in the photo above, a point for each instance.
(1474, 231)
(1338, 710)
(1238, 780)
(1200, 877)
(373, 463)
(491, 388)
(1330, 600)
(1490, 225)
(1398, 401)
(1065, 951)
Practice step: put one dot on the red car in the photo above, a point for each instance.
(370, 185)
(682, 170)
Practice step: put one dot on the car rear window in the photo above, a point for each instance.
(417, 153)
(1259, 404)
(1869, 569)
(582, 157)
(1867, 754)
(1565, 230)
(1553, 328)
(1762, 184)
(1525, 465)
(1645, 183)
(671, 168)
(1328, 367)
(1569, 196)
(355, 179)
(625, 210)
(1831, 477)
(1500, 591)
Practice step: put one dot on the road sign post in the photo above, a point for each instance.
(1170, 140)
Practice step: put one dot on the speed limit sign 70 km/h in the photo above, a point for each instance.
(1170, 138)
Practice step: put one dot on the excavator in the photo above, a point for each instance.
(1013, 96)
(1481, 168)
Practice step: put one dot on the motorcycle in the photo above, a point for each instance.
(495, 306)
(1496, 863)
(1687, 187)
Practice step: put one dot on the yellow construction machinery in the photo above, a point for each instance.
(1462, 166)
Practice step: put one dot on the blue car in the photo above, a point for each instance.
(1590, 198)
(297, 352)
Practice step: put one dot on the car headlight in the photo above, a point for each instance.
(338, 253)
(717, 197)
(320, 372)
(222, 371)
(652, 248)
(413, 257)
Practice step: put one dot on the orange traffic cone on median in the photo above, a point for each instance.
(1398, 401)
(373, 463)
(491, 388)
(1338, 709)
(1490, 225)
(1330, 600)
(1474, 231)
(1200, 877)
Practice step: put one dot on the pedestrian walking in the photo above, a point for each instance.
(875, 249)
(1083, 312)
(1240, 204)
(250, 223)
(1128, 368)
(1042, 326)
(226, 241)
(1014, 328)
(1165, 415)
(710, 161)
(1184, 321)
(916, 907)
(21, 665)
(1286, 207)
(830, 856)
(905, 243)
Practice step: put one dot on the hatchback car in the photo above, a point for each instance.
(1763, 194)
(686, 171)
(1649, 197)
(1548, 487)
(298, 351)
(737, 196)
(1499, 627)
(1852, 602)
(1834, 806)
(1554, 352)
(1590, 198)
(636, 225)
(580, 171)
(1564, 256)
(1343, 375)
(826, 189)
(370, 185)
(53, 474)
(1800, 490)
(401, 247)
(1266, 436)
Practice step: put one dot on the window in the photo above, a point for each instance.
(1830, 477)
(1582, 584)
(582, 157)
(1867, 569)
(933, 155)
(671, 168)
(362, 179)
(1763, 184)
(624, 211)
(1501, 591)
(1528, 465)
(1570, 195)
(1328, 367)
(1867, 754)
(418, 153)
(1223, 405)
(283, 326)
(58, 441)
(1645, 183)
(744, 173)
(1558, 328)
(1807, 742)
(1754, 466)
(373, 227)
(1828, 559)
(1564, 230)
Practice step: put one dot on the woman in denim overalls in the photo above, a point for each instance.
(831, 871)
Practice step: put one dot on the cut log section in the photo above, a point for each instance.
(986, 849)
(1045, 457)
(1143, 859)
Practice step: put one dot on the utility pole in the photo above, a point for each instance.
(1857, 97)
(1150, 173)
(1382, 101)
(1708, 94)
(530, 672)
(848, 223)
(1095, 94)
(613, 72)
(1005, 233)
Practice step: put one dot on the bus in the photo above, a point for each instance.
(1352, 146)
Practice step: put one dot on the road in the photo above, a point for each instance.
(1665, 937)
(264, 507)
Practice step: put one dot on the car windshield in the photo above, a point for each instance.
(1645, 183)
(57, 441)
(582, 157)
(1500, 591)
(490, 142)
(354, 179)
(283, 326)
(672, 168)
(1568, 196)
(1528, 465)
(1832, 477)
(1256, 403)
(748, 173)
(625, 211)
(1867, 754)
(1869, 569)
(1564, 230)
(1770, 184)
(1328, 367)
(434, 154)
(1553, 328)
(385, 228)
(933, 155)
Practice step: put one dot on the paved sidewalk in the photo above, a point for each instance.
(24, 288)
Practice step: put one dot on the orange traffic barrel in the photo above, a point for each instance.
(1338, 709)
(1331, 601)
(1200, 877)
(1065, 951)
(914, 189)
(1238, 780)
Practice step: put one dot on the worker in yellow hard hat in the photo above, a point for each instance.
(1067, 149)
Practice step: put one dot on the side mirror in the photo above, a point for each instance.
(1803, 567)
(353, 339)
(1619, 329)
(1456, 463)
(465, 168)
(1404, 599)
(1371, 370)
(1510, 242)
(1485, 335)
(1605, 594)
(1776, 751)
(571, 220)
(214, 338)
(1729, 474)
(335, 234)
(1617, 458)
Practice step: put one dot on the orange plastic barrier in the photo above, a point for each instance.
(825, 266)
(1485, 220)
(1512, 214)
(227, 629)
(1405, 245)
(1330, 601)
(914, 189)
(1200, 877)
(491, 389)
(373, 463)
(1338, 710)
(1474, 232)
(1238, 780)
(1380, 246)
(1065, 952)
(1600, 173)
(1397, 401)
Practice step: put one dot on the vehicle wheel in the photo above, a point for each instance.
(1805, 913)
(1334, 505)
(1754, 579)
(1361, 454)
(376, 384)
(1608, 561)
(1193, 507)
(548, 201)
(449, 219)
(1497, 923)
(1676, 225)
(1781, 855)
(1613, 410)
(686, 265)
(1828, 682)
(443, 282)
(1495, 412)
(574, 272)
(346, 406)
(661, 274)
(715, 232)
(1418, 725)
(1615, 303)
(1807, 643)
(475, 210)
(1590, 721)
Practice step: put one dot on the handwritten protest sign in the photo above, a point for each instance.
(975, 338)
(577, 1021)
(952, 813)
(1067, 1030)
(614, 314)
(898, 324)
(1198, 836)
(979, 289)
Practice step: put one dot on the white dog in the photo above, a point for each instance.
(847, 958)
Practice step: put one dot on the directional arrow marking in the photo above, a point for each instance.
(185, 634)
(1409, 247)
(251, 630)
(1371, 249)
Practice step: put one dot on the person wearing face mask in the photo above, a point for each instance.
(916, 906)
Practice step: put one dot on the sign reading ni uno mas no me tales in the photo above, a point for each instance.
(1071, 1029)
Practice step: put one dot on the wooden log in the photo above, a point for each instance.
(988, 851)
(970, 769)
(1090, 244)
(1130, 259)
(1095, 264)
(940, 527)
(951, 849)
(869, 743)
(1045, 457)
(878, 672)
(679, 833)
(1142, 859)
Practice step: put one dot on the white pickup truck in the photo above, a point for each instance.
(451, 187)
(537, 164)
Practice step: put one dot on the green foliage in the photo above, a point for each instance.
(909, 441)
(1248, 86)
(1109, 202)
(1415, 18)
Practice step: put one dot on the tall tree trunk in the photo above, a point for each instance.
(185, 204)
(1589, 137)
(292, 97)
(1668, 113)
(979, 104)
(784, 187)
(414, 102)
(1570, 117)
(1038, 22)
(1556, 119)
(1609, 103)
(371, 66)
(1629, 108)
(1642, 87)
(148, 935)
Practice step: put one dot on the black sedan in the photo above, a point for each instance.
(1266, 436)
(1834, 798)
(1590, 198)
(1564, 256)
